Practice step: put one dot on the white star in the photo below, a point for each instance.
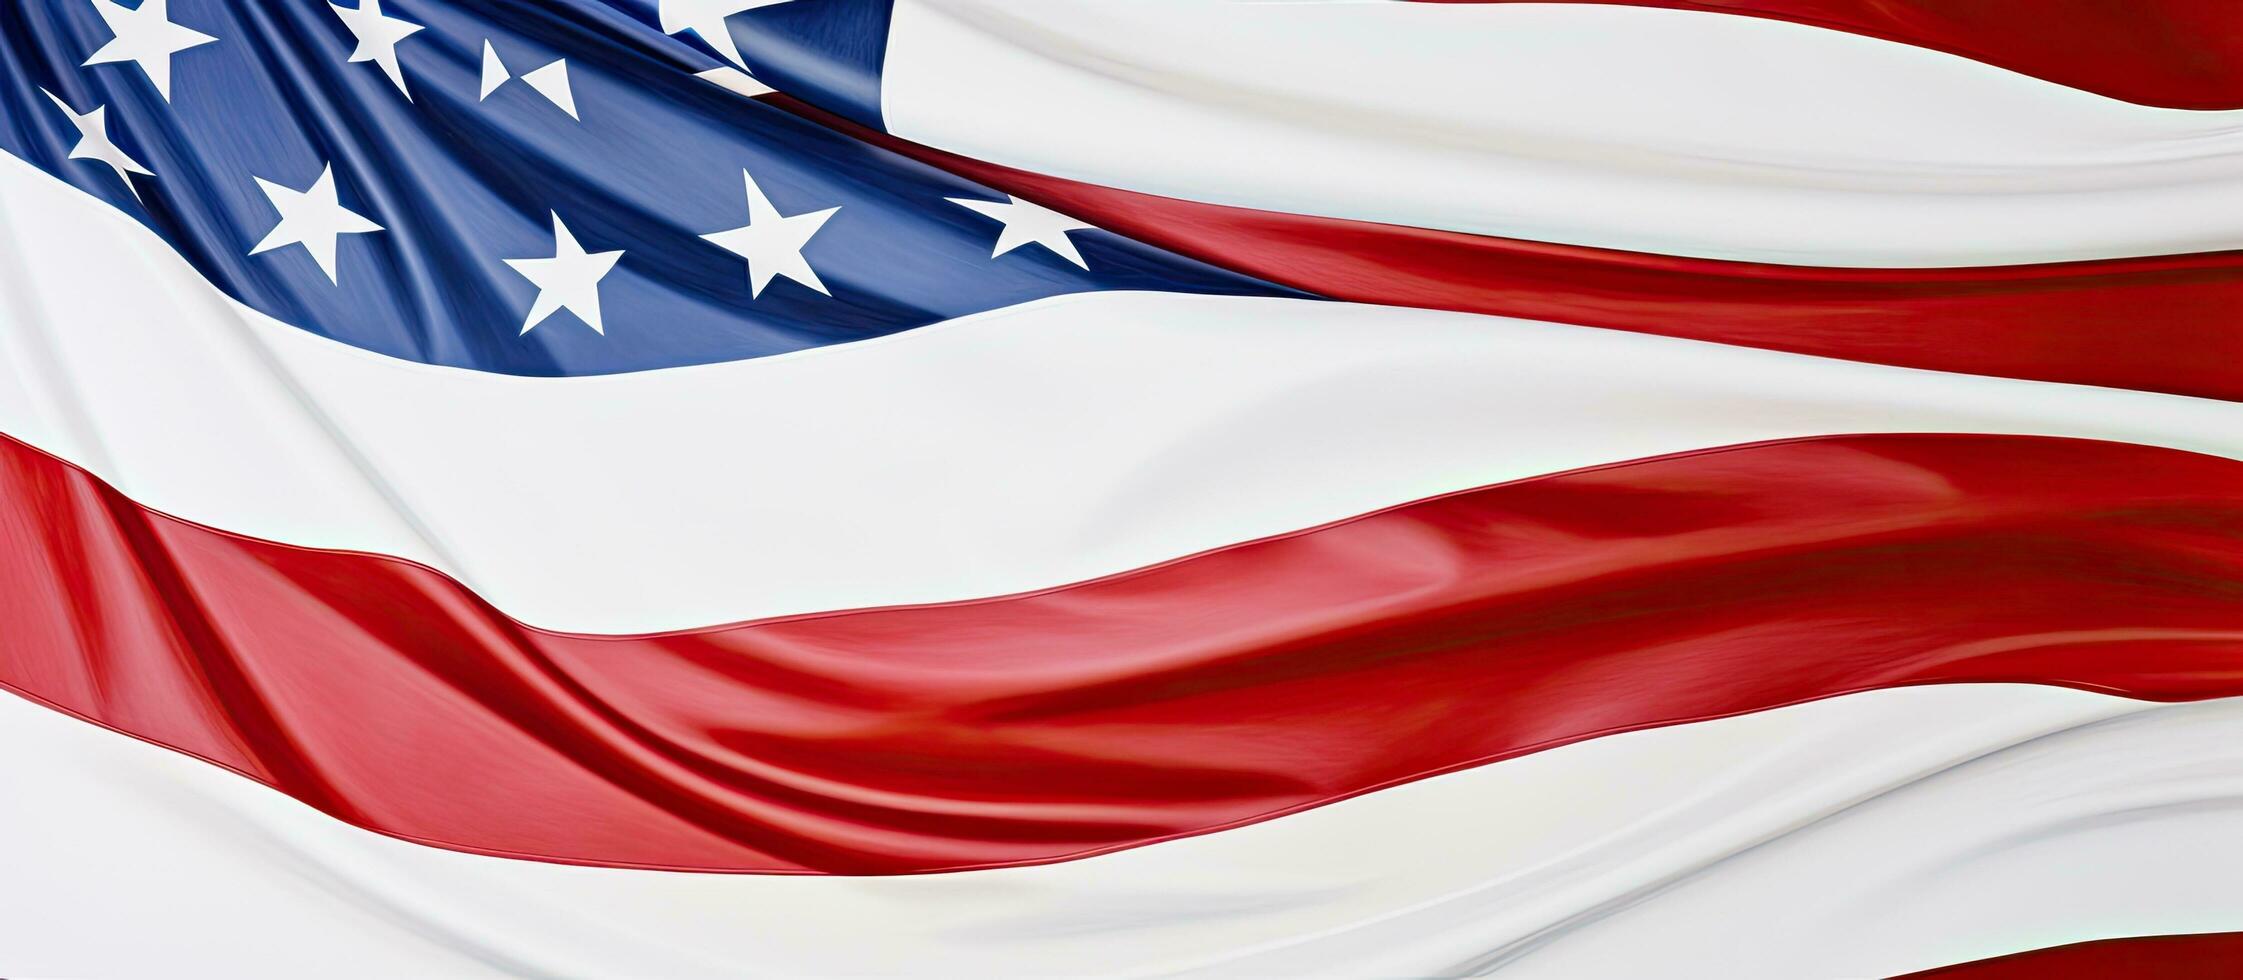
(772, 242)
(377, 37)
(1027, 222)
(570, 280)
(706, 18)
(494, 71)
(550, 81)
(94, 142)
(311, 218)
(146, 37)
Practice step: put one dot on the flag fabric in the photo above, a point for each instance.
(992, 488)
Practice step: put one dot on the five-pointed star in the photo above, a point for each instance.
(706, 18)
(377, 37)
(311, 218)
(146, 37)
(1027, 222)
(570, 280)
(772, 242)
(94, 142)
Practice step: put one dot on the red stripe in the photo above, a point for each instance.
(2181, 54)
(1210, 691)
(2211, 956)
(2162, 323)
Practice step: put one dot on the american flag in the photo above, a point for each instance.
(679, 488)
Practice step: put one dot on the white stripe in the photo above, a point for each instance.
(1031, 447)
(1676, 132)
(1861, 836)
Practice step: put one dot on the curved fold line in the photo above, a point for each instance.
(2074, 322)
(1188, 697)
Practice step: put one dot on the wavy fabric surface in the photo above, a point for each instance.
(440, 176)
(2008, 817)
(1673, 172)
(1094, 524)
(2158, 324)
(1622, 127)
(1218, 689)
(1044, 444)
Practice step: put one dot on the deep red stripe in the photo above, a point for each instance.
(2210, 956)
(2181, 54)
(2163, 323)
(1214, 690)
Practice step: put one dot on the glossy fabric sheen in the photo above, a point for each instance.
(1608, 126)
(460, 184)
(2183, 54)
(432, 287)
(1164, 424)
(1203, 693)
(2162, 323)
(2023, 804)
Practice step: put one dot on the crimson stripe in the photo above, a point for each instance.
(2180, 54)
(2209, 956)
(1210, 691)
(2159, 323)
